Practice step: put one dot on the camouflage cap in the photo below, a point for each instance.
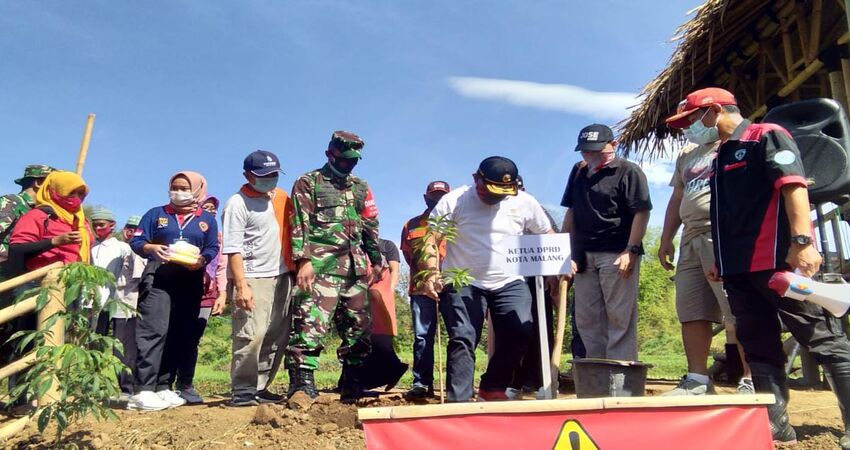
(34, 171)
(348, 144)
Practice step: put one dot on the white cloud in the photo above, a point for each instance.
(658, 173)
(556, 97)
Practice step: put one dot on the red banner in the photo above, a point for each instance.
(700, 427)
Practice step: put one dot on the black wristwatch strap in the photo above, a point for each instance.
(636, 249)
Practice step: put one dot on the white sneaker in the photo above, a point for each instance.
(147, 401)
(174, 399)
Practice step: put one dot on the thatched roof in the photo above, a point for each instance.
(765, 51)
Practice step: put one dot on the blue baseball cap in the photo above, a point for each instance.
(262, 163)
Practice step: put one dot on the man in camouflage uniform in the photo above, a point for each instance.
(334, 230)
(13, 206)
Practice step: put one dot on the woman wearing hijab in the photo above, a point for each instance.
(212, 303)
(55, 230)
(179, 240)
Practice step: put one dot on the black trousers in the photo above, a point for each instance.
(758, 311)
(186, 363)
(530, 372)
(125, 331)
(510, 309)
(169, 302)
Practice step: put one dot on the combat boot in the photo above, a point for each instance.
(771, 380)
(838, 376)
(301, 380)
(350, 389)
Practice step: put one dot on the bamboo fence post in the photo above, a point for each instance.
(56, 334)
(84, 145)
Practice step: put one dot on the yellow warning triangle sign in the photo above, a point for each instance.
(574, 437)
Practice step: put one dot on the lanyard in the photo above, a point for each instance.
(185, 222)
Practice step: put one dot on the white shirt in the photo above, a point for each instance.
(481, 228)
(251, 229)
(127, 267)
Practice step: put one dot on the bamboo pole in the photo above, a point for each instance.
(845, 75)
(815, 29)
(56, 333)
(27, 277)
(18, 309)
(836, 88)
(552, 406)
(12, 428)
(84, 145)
(17, 366)
(440, 361)
(560, 325)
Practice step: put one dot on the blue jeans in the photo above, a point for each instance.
(424, 311)
(464, 312)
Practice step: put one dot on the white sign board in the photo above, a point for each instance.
(534, 255)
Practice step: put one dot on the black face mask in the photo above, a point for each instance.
(343, 165)
(431, 202)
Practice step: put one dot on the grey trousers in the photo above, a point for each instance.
(260, 336)
(606, 308)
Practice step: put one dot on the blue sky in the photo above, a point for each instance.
(432, 87)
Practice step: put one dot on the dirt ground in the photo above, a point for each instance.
(328, 425)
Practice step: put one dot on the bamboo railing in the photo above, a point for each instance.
(49, 276)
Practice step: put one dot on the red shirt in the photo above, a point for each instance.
(35, 226)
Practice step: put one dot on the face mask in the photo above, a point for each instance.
(104, 232)
(181, 198)
(597, 160)
(485, 195)
(264, 184)
(343, 166)
(430, 203)
(128, 234)
(700, 134)
(70, 204)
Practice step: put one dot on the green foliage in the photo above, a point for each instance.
(439, 228)
(659, 330)
(84, 367)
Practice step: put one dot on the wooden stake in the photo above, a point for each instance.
(560, 325)
(440, 359)
(56, 333)
(84, 145)
(845, 72)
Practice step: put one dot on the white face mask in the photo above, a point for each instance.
(700, 134)
(181, 198)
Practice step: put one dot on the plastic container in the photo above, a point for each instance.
(596, 377)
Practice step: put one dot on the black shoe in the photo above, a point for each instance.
(771, 380)
(241, 401)
(838, 376)
(419, 393)
(265, 397)
(350, 389)
(303, 381)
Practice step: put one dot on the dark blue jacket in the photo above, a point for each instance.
(160, 226)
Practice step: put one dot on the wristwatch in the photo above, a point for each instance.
(636, 249)
(801, 239)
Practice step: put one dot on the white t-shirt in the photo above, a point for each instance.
(127, 267)
(249, 228)
(481, 228)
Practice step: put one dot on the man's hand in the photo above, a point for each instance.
(375, 274)
(666, 254)
(158, 251)
(713, 275)
(804, 258)
(71, 237)
(220, 303)
(305, 277)
(433, 285)
(626, 263)
(244, 297)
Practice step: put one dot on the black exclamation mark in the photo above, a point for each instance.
(575, 441)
